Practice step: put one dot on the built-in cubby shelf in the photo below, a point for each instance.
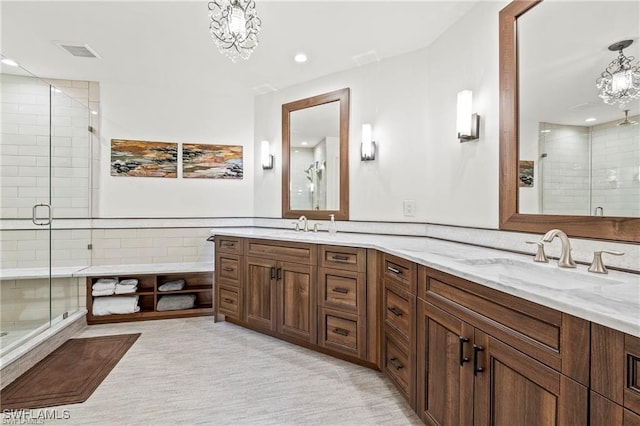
(199, 284)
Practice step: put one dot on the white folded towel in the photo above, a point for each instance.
(129, 282)
(106, 292)
(105, 284)
(115, 305)
(124, 289)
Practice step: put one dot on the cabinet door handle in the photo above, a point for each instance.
(226, 299)
(463, 358)
(395, 364)
(394, 270)
(226, 268)
(339, 257)
(395, 311)
(273, 273)
(476, 368)
(341, 331)
(340, 290)
(279, 273)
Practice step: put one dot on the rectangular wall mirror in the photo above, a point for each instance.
(567, 159)
(315, 162)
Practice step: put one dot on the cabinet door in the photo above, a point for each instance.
(445, 375)
(297, 311)
(260, 293)
(512, 388)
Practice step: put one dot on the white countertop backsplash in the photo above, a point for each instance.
(611, 299)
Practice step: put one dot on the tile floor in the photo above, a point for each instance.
(195, 371)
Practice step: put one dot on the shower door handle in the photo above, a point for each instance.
(36, 220)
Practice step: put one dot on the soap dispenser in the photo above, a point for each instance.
(332, 224)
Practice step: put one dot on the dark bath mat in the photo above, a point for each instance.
(68, 375)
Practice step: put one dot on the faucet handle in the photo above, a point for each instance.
(540, 254)
(316, 227)
(597, 265)
(297, 224)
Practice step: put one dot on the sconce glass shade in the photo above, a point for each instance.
(265, 157)
(368, 146)
(467, 123)
(234, 27)
(619, 83)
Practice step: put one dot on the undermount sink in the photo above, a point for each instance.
(521, 273)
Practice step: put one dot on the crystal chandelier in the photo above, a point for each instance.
(619, 83)
(234, 27)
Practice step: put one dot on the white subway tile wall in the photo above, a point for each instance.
(29, 106)
(584, 168)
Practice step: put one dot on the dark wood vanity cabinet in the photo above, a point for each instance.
(280, 289)
(487, 358)
(229, 261)
(398, 283)
(615, 377)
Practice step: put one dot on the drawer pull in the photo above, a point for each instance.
(476, 368)
(226, 299)
(229, 244)
(340, 290)
(394, 270)
(395, 311)
(395, 364)
(463, 358)
(226, 268)
(341, 331)
(339, 257)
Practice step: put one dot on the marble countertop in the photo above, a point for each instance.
(612, 299)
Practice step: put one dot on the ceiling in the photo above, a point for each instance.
(168, 43)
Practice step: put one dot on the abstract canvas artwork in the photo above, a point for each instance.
(144, 158)
(212, 161)
(526, 174)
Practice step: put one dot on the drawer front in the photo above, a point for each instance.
(397, 365)
(342, 332)
(282, 250)
(228, 244)
(632, 373)
(228, 269)
(347, 258)
(399, 308)
(400, 271)
(343, 290)
(229, 301)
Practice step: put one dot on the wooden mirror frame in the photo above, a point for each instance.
(608, 228)
(341, 96)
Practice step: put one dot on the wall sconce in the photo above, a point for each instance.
(266, 157)
(368, 146)
(468, 123)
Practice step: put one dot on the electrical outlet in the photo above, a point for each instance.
(409, 207)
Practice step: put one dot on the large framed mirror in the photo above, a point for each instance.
(315, 156)
(556, 133)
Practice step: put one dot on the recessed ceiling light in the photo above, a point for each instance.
(94, 112)
(300, 58)
(545, 131)
(53, 89)
(590, 119)
(9, 62)
(303, 143)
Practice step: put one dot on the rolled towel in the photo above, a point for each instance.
(115, 305)
(124, 289)
(129, 282)
(172, 285)
(107, 292)
(173, 302)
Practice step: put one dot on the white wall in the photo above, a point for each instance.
(411, 102)
(183, 113)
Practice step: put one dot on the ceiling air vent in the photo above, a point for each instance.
(79, 50)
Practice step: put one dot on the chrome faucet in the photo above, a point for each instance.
(306, 224)
(565, 260)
